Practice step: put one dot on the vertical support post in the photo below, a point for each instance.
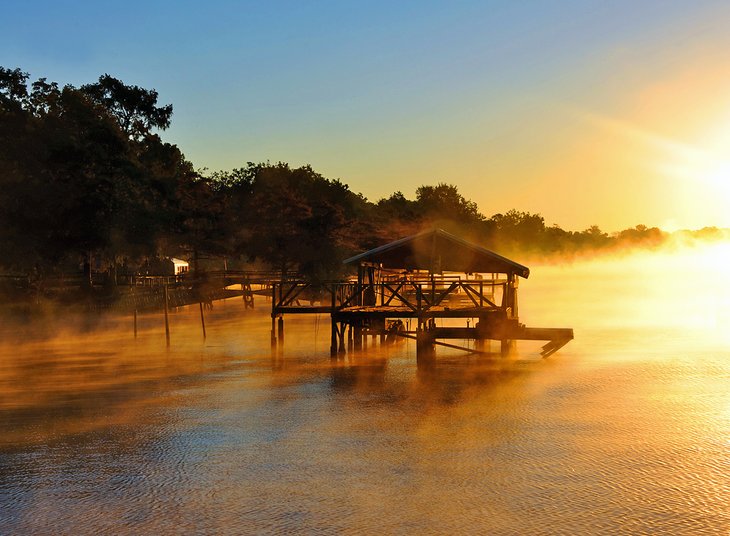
(202, 319)
(481, 293)
(167, 320)
(333, 336)
(134, 304)
(358, 335)
(273, 331)
(433, 288)
(424, 347)
(281, 329)
(341, 336)
(349, 337)
(273, 316)
(515, 284)
(359, 285)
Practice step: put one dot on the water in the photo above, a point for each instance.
(624, 431)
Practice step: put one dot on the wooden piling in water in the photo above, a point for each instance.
(333, 337)
(167, 320)
(202, 320)
(273, 331)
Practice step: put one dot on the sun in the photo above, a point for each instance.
(717, 176)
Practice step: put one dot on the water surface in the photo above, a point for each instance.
(624, 431)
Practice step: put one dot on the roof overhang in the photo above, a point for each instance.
(437, 251)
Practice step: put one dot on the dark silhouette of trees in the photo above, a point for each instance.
(81, 172)
(134, 108)
(293, 219)
(84, 173)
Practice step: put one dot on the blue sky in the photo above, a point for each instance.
(490, 96)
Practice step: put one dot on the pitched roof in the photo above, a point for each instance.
(438, 250)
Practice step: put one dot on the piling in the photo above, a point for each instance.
(167, 319)
(273, 331)
(333, 337)
(202, 320)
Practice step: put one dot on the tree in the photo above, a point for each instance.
(293, 219)
(135, 108)
(81, 172)
(519, 229)
(444, 202)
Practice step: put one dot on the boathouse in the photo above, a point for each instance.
(453, 289)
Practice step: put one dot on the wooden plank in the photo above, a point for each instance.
(302, 309)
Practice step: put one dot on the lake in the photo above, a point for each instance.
(626, 430)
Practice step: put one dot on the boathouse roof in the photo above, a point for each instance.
(436, 250)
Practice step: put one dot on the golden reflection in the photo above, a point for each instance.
(218, 435)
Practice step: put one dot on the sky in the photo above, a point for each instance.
(588, 113)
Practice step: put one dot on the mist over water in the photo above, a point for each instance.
(624, 431)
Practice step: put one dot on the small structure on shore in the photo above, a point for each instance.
(428, 277)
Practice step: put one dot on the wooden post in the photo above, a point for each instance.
(273, 315)
(202, 319)
(358, 335)
(333, 336)
(424, 347)
(134, 304)
(341, 336)
(273, 331)
(359, 300)
(167, 320)
(515, 285)
(281, 329)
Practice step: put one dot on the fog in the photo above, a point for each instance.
(624, 430)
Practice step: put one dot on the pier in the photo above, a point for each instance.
(449, 288)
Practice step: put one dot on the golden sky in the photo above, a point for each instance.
(606, 113)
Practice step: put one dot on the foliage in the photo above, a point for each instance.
(84, 173)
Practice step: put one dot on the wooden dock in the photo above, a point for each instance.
(488, 306)
(432, 278)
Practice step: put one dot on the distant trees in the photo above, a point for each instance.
(293, 219)
(84, 173)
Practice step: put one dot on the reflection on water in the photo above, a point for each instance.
(625, 430)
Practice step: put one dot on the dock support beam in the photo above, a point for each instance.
(281, 330)
(425, 353)
(357, 331)
(273, 331)
(333, 337)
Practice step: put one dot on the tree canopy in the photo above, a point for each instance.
(84, 173)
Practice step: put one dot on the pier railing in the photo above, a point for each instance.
(417, 294)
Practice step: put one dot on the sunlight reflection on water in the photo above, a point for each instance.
(622, 431)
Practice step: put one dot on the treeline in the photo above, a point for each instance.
(86, 178)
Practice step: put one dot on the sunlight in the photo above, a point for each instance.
(706, 163)
(718, 176)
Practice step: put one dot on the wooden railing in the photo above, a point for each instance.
(419, 295)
